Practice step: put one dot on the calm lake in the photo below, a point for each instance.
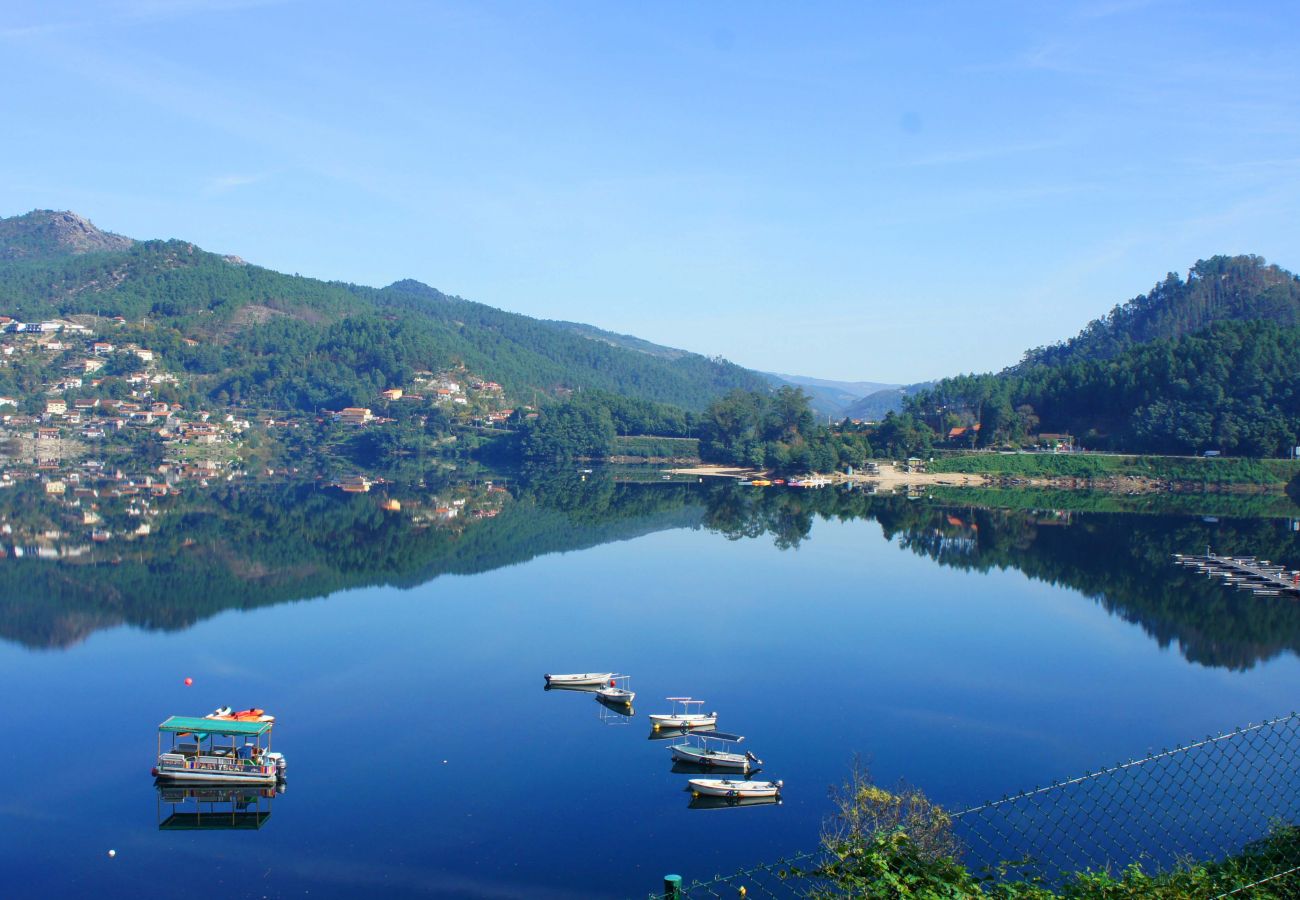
(972, 651)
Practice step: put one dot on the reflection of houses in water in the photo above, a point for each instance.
(193, 808)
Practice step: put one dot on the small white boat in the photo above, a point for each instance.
(699, 750)
(586, 679)
(618, 690)
(738, 790)
(684, 717)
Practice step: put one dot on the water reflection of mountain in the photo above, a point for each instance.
(1121, 560)
(258, 544)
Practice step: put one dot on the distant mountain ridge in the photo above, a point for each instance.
(877, 405)
(300, 343)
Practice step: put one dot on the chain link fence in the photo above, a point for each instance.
(1214, 799)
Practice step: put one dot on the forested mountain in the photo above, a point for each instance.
(1219, 289)
(256, 335)
(1206, 363)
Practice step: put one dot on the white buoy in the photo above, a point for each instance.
(112, 853)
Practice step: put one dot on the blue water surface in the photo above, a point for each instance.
(425, 759)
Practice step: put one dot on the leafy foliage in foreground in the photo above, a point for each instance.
(894, 844)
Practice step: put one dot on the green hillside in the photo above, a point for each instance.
(291, 342)
(1219, 289)
(1206, 363)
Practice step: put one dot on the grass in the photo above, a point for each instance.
(1187, 470)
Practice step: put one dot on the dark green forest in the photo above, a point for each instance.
(1208, 363)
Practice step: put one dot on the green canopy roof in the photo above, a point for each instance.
(214, 726)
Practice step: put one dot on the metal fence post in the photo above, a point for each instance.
(672, 887)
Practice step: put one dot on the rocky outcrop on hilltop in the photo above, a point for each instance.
(46, 233)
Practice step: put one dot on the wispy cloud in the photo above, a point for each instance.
(20, 32)
(125, 12)
(982, 154)
(224, 184)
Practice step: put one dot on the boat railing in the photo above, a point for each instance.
(206, 763)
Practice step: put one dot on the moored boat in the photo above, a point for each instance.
(586, 679)
(618, 690)
(207, 758)
(684, 717)
(714, 749)
(738, 790)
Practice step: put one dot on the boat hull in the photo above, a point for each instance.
(713, 759)
(587, 679)
(662, 720)
(616, 695)
(725, 787)
(192, 776)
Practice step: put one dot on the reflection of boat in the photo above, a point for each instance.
(730, 789)
(674, 734)
(240, 715)
(584, 688)
(619, 690)
(618, 706)
(614, 713)
(208, 758)
(685, 768)
(699, 749)
(684, 718)
(586, 679)
(704, 801)
(213, 808)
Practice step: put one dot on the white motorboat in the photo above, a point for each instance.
(737, 790)
(703, 801)
(684, 717)
(208, 758)
(618, 690)
(714, 749)
(586, 679)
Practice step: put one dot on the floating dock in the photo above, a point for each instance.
(1259, 576)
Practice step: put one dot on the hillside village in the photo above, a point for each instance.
(75, 447)
(92, 388)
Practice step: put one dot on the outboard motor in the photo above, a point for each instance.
(277, 760)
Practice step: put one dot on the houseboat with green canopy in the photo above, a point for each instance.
(217, 750)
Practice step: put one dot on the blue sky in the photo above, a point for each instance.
(870, 191)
